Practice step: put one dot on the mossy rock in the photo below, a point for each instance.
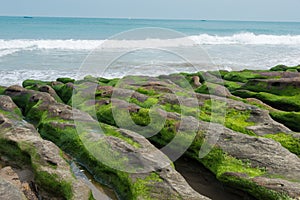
(213, 89)
(88, 78)
(242, 76)
(251, 187)
(219, 73)
(218, 112)
(14, 153)
(24, 155)
(279, 68)
(109, 82)
(288, 141)
(32, 83)
(289, 119)
(277, 87)
(64, 134)
(232, 86)
(24, 103)
(285, 103)
(64, 91)
(292, 70)
(65, 80)
(2, 90)
(68, 140)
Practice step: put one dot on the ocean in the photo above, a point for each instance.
(47, 48)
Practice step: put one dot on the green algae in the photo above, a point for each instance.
(23, 154)
(2, 90)
(64, 91)
(30, 83)
(65, 80)
(242, 76)
(149, 92)
(285, 103)
(289, 119)
(141, 186)
(148, 103)
(287, 141)
(218, 112)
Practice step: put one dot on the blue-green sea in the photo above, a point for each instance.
(47, 48)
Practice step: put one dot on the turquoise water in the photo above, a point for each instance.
(97, 29)
(46, 48)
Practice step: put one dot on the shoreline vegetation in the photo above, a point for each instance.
(255, 115)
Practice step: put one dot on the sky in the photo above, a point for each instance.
(249, 10)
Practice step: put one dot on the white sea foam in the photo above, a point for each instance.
(248, 38)
(11, 46)
(49, 44)
(6, 52)
(16, 77)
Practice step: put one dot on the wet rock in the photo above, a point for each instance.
(142, 156)
(213, 89)
(259, 152)
(20, 181)
(43, 155)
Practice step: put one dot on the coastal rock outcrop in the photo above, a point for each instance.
(23, 148)
(239, 125)
(55, 122)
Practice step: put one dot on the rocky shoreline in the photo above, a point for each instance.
(248, 119)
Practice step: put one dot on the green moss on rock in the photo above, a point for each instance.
(64, 91)
(289, 119)
(287, 141)
(279, 68)
(252, 188)
(11, 150)
(65, 80)
(31, 83)
(146, 104)
(219, 163)
(2, 90)
(54, 185)
(141, 186)
(285, 103)
(23, 154)
(218, 112)
(242, 76)
(232, 86)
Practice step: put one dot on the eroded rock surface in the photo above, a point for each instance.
(157, 176)
(53, 178)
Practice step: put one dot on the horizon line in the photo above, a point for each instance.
(145, 18)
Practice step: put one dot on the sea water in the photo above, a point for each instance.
(47, 48)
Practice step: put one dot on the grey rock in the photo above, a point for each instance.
(145, 160)
(264, 124)
(196, 81)
(8, 191)
(280, 185)
(48, 154)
